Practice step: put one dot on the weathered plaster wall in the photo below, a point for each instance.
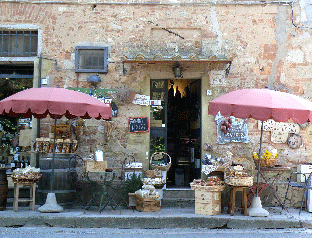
(266, 48)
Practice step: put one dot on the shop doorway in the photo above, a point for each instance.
(13, 79)
(176, 127)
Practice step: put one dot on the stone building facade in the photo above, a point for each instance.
(226, 45)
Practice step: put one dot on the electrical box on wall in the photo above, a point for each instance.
(44, 81)
(303, 168)
(209, 92)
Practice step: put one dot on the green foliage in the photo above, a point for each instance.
(133, 184)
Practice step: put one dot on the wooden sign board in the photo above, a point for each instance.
(138, 124)
(62, 131)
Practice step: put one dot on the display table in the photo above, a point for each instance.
(270, 183)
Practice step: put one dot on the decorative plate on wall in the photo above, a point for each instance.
(294, 141)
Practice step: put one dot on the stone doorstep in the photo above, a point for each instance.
(172, 202)
(178, 198)
(178, 193)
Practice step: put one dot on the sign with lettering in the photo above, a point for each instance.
(217, 78)
(142, 100)
(138, 124)
(238, 132)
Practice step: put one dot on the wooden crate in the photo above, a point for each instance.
(207, 208)
(148, 204)
(207, 202)
(95, 166)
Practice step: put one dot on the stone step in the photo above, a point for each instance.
(178, 197)
(178, 193)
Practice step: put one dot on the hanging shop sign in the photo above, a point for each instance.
(142, 100)
(279, 136)
(155, 102)
(138, 124)
(231, 129)
(217, 78)
(271, 125)
(279, 130)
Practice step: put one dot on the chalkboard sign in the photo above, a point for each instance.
(138, 124)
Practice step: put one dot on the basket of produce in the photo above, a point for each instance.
(240, 173)
(157, 161)
(148, 199)
(156, 182)
(213, 183)
(26, 175)
(153, 173)
(269, 156)
(242, 180)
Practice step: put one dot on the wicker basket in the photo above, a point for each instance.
(268, 162)
(239, 181)
(248, 166)
(207, 188)
(26, 180)
(153, 173)
(159, 156)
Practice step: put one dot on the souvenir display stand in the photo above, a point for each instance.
(207, 196)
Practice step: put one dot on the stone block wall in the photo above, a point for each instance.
(268, 45)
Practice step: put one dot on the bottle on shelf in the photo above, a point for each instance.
(23, 162)
(16, 159)
(95, 95)
(18, 163)
(27, 162)
(13, 164)
(2, 162)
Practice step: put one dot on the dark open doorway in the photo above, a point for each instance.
(176, 127)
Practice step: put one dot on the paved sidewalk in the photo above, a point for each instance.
(165, 218)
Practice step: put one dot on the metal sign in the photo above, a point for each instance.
(238, 132)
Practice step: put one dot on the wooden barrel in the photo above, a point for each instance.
(3, 189)
(64, 179)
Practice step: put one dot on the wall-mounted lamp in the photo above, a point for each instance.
(177, 70)
(94, 79)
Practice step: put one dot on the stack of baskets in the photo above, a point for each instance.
(268, 157)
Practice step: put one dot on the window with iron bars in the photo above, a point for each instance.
(18, 43)
(91, 59)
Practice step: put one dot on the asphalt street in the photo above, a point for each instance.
(44, 232)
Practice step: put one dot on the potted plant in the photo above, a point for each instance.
(131, 185)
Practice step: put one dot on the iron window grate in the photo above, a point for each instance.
(91, 59)
(18, 43)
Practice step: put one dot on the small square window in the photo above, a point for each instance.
(91, 59)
